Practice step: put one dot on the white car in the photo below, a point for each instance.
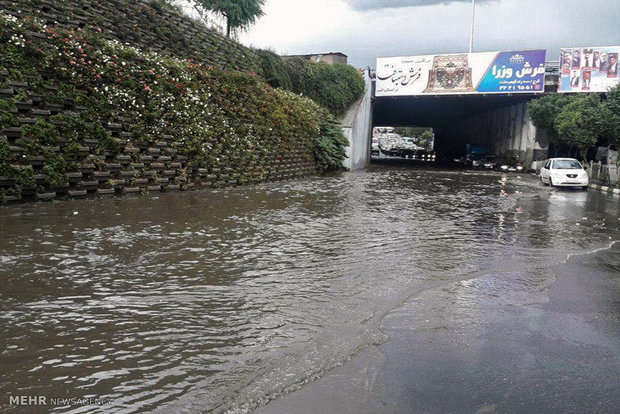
(564, 172)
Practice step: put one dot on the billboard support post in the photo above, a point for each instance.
(473, 22)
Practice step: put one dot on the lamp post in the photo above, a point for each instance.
(473, 21)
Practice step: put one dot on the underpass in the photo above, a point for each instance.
(498, 120)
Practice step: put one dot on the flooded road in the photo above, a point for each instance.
(220, 301)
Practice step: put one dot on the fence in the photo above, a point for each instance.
(606, 174)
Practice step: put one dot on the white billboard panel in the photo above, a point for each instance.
(488, 72)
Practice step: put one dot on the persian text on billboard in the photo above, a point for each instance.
(488, 72)
(588, 69)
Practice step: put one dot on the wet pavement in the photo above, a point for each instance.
(399, 289)
(498, 343)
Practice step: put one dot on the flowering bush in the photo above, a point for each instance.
(210, 113)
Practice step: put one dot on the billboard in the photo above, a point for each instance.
(521, 71)
(588, 69)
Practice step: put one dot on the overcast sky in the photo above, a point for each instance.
(367, 29)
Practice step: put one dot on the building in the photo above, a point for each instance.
(329, 58)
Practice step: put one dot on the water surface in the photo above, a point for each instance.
(218, 301)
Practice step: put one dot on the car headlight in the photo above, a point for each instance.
(504, 167)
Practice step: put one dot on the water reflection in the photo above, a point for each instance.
(197, 301)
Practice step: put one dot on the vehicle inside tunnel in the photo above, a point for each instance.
(500, 123)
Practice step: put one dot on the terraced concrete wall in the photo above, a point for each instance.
(144, 164)
(142, 25)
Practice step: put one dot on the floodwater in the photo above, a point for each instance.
(220, 301)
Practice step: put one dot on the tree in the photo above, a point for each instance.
(544, 111)
(613, 104)
(426, 140)
(583, 122)
(239, 14)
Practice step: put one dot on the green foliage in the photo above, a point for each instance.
(239, 14)
(55, 167)
(275, 70)
(613, 104)
(329, 149)
(583, 122)
(23, 175)
(106, 142)
(543, 112)
(412, 131)
(334, 87)
(42, 132)
(6, 104)
(5, 155)
(7, 120)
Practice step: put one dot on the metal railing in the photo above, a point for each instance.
(606, 174)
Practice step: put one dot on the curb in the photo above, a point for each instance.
(605, 189)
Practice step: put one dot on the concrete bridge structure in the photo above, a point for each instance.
(499, 121)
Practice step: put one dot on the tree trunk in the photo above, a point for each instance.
(228, 28)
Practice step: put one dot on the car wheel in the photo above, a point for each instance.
(550, 182)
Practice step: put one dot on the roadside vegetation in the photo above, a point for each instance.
(578, 122)
(334, 87)
(211, 113)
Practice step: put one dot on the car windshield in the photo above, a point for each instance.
(567, 165)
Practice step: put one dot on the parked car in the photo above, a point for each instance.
(489, 162)
(564, 172)
(375, 150)
(507, 165)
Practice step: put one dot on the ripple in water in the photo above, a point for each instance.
(219, 301)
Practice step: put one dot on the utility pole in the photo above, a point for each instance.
(473, 21)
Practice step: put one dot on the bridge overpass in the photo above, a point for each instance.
(499, 121)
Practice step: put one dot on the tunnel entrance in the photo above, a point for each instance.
(500, 123)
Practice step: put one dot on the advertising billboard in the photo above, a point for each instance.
(520, 71)
(588, 69)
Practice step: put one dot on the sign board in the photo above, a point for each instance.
(588, 69)
(521, 71)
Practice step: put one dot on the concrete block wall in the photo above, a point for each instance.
(143, 164)
(142, 25)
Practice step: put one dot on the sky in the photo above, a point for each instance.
(367, 29)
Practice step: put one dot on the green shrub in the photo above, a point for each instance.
(55, 167)
(5, 156)
(275, 70)
(335, 87)
(6, 104)
(329, 148)
(24, 176)
(8, 120)
(41, 132)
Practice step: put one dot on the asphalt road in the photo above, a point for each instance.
(526, 339)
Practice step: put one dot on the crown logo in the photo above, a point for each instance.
(516, 59)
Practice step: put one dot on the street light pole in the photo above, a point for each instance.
(473, 21)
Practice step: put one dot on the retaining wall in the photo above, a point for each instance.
(139, 23)
(144, 163)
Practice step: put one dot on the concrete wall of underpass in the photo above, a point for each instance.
(357, 127)
(507, 131)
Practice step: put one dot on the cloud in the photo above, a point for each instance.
(363, 5)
